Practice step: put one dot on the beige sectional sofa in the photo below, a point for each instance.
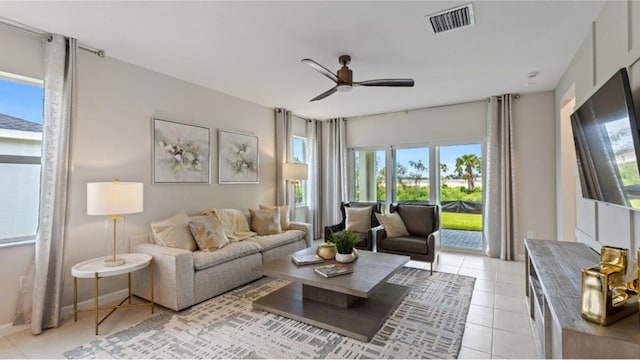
(183, 278)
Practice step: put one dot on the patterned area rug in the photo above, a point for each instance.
(429, 323)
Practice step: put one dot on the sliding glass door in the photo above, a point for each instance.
(461, 196)
(450, 175)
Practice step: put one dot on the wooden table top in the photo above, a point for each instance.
(370, 270)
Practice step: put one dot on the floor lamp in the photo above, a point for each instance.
(114, 199)
(295, 172)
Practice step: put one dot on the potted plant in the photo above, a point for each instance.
(344, 242)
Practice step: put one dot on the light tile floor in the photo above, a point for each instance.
(497, 324)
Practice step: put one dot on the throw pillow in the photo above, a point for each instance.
(174, 232)
(358, 219)
(393, 224)
(285, 222)
(265, 221)
(208, 232)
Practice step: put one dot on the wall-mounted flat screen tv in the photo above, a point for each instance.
(605, 134)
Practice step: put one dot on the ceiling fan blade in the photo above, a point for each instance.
(321, 69)
(324, 94)
(386, 82)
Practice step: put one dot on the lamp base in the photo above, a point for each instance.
(110, 261)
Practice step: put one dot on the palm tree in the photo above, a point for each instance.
(465, 165)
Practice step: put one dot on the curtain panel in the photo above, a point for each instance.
(59, 102)
(284, 194)
(334, 169)
(314, 183)
(500, 222)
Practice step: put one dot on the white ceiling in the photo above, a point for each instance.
(252, 50)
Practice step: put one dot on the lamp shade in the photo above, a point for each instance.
(294, 171)
(114, 198)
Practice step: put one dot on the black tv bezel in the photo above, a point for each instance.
(634, 124)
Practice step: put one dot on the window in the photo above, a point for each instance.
(412, 174)
(370, 175)
(300, 156)
(21, 108)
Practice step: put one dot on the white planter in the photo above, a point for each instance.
(345, 258)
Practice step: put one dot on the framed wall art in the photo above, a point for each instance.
(181, 153)
(237, 158)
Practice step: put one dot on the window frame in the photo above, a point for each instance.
(302, 183)
(21, 159)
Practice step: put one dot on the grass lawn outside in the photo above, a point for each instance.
(461, 221)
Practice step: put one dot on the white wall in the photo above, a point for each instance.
(112, 139)
(533, 146)
(613, 43)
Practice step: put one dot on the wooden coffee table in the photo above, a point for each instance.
(355, 304)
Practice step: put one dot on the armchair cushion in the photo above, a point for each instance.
(418, 219)
(393, 224)
(358, 219)
(405, 244)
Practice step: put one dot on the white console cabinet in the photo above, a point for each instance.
(553, 288)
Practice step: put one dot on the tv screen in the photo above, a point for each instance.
(605, 134)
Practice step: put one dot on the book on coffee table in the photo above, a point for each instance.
(306, 259)
(333, 270)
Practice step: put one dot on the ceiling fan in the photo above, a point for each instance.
(344, 78)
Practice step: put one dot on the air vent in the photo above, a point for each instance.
(452, 19)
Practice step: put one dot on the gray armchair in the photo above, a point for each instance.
(367, 238)
(423, 224)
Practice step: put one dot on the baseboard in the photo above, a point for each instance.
(115, 296)
(10, 329)
(67, 311)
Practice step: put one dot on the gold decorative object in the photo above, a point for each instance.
(327, 251)
(610, 289)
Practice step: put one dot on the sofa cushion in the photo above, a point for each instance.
(418, 219)
(235, 250)
(358, 219)
(174, 232)
(267, 242)
(208, 232)
(393, 224)
(265, 221)
(285, 219)
(405, 244)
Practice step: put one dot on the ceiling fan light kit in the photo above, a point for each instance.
(344, 78)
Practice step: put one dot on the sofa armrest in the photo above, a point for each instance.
(308, 231)
(378, 234)
(173, 275)
(433, 243)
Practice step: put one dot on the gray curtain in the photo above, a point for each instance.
(59, 101)
(334, 169)
(284, 193)
(500, 225)
(314, 183)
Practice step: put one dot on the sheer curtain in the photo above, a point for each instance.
(59, 100)
(314, 183)
(284, 195)
(334, 169)
(500, 225)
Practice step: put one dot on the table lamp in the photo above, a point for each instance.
(294, 172)
(114, 199)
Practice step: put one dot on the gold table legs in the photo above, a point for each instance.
(97, 308)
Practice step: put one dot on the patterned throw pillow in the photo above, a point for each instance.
(174, 232)
(358, 219)
(285, 222)
(208, 232)
(265, 221)
(393, 224)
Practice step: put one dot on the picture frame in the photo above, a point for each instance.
(238, 156)
(181, 153)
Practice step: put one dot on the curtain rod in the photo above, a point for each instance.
(39, 33)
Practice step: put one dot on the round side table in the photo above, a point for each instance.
(96, 269)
